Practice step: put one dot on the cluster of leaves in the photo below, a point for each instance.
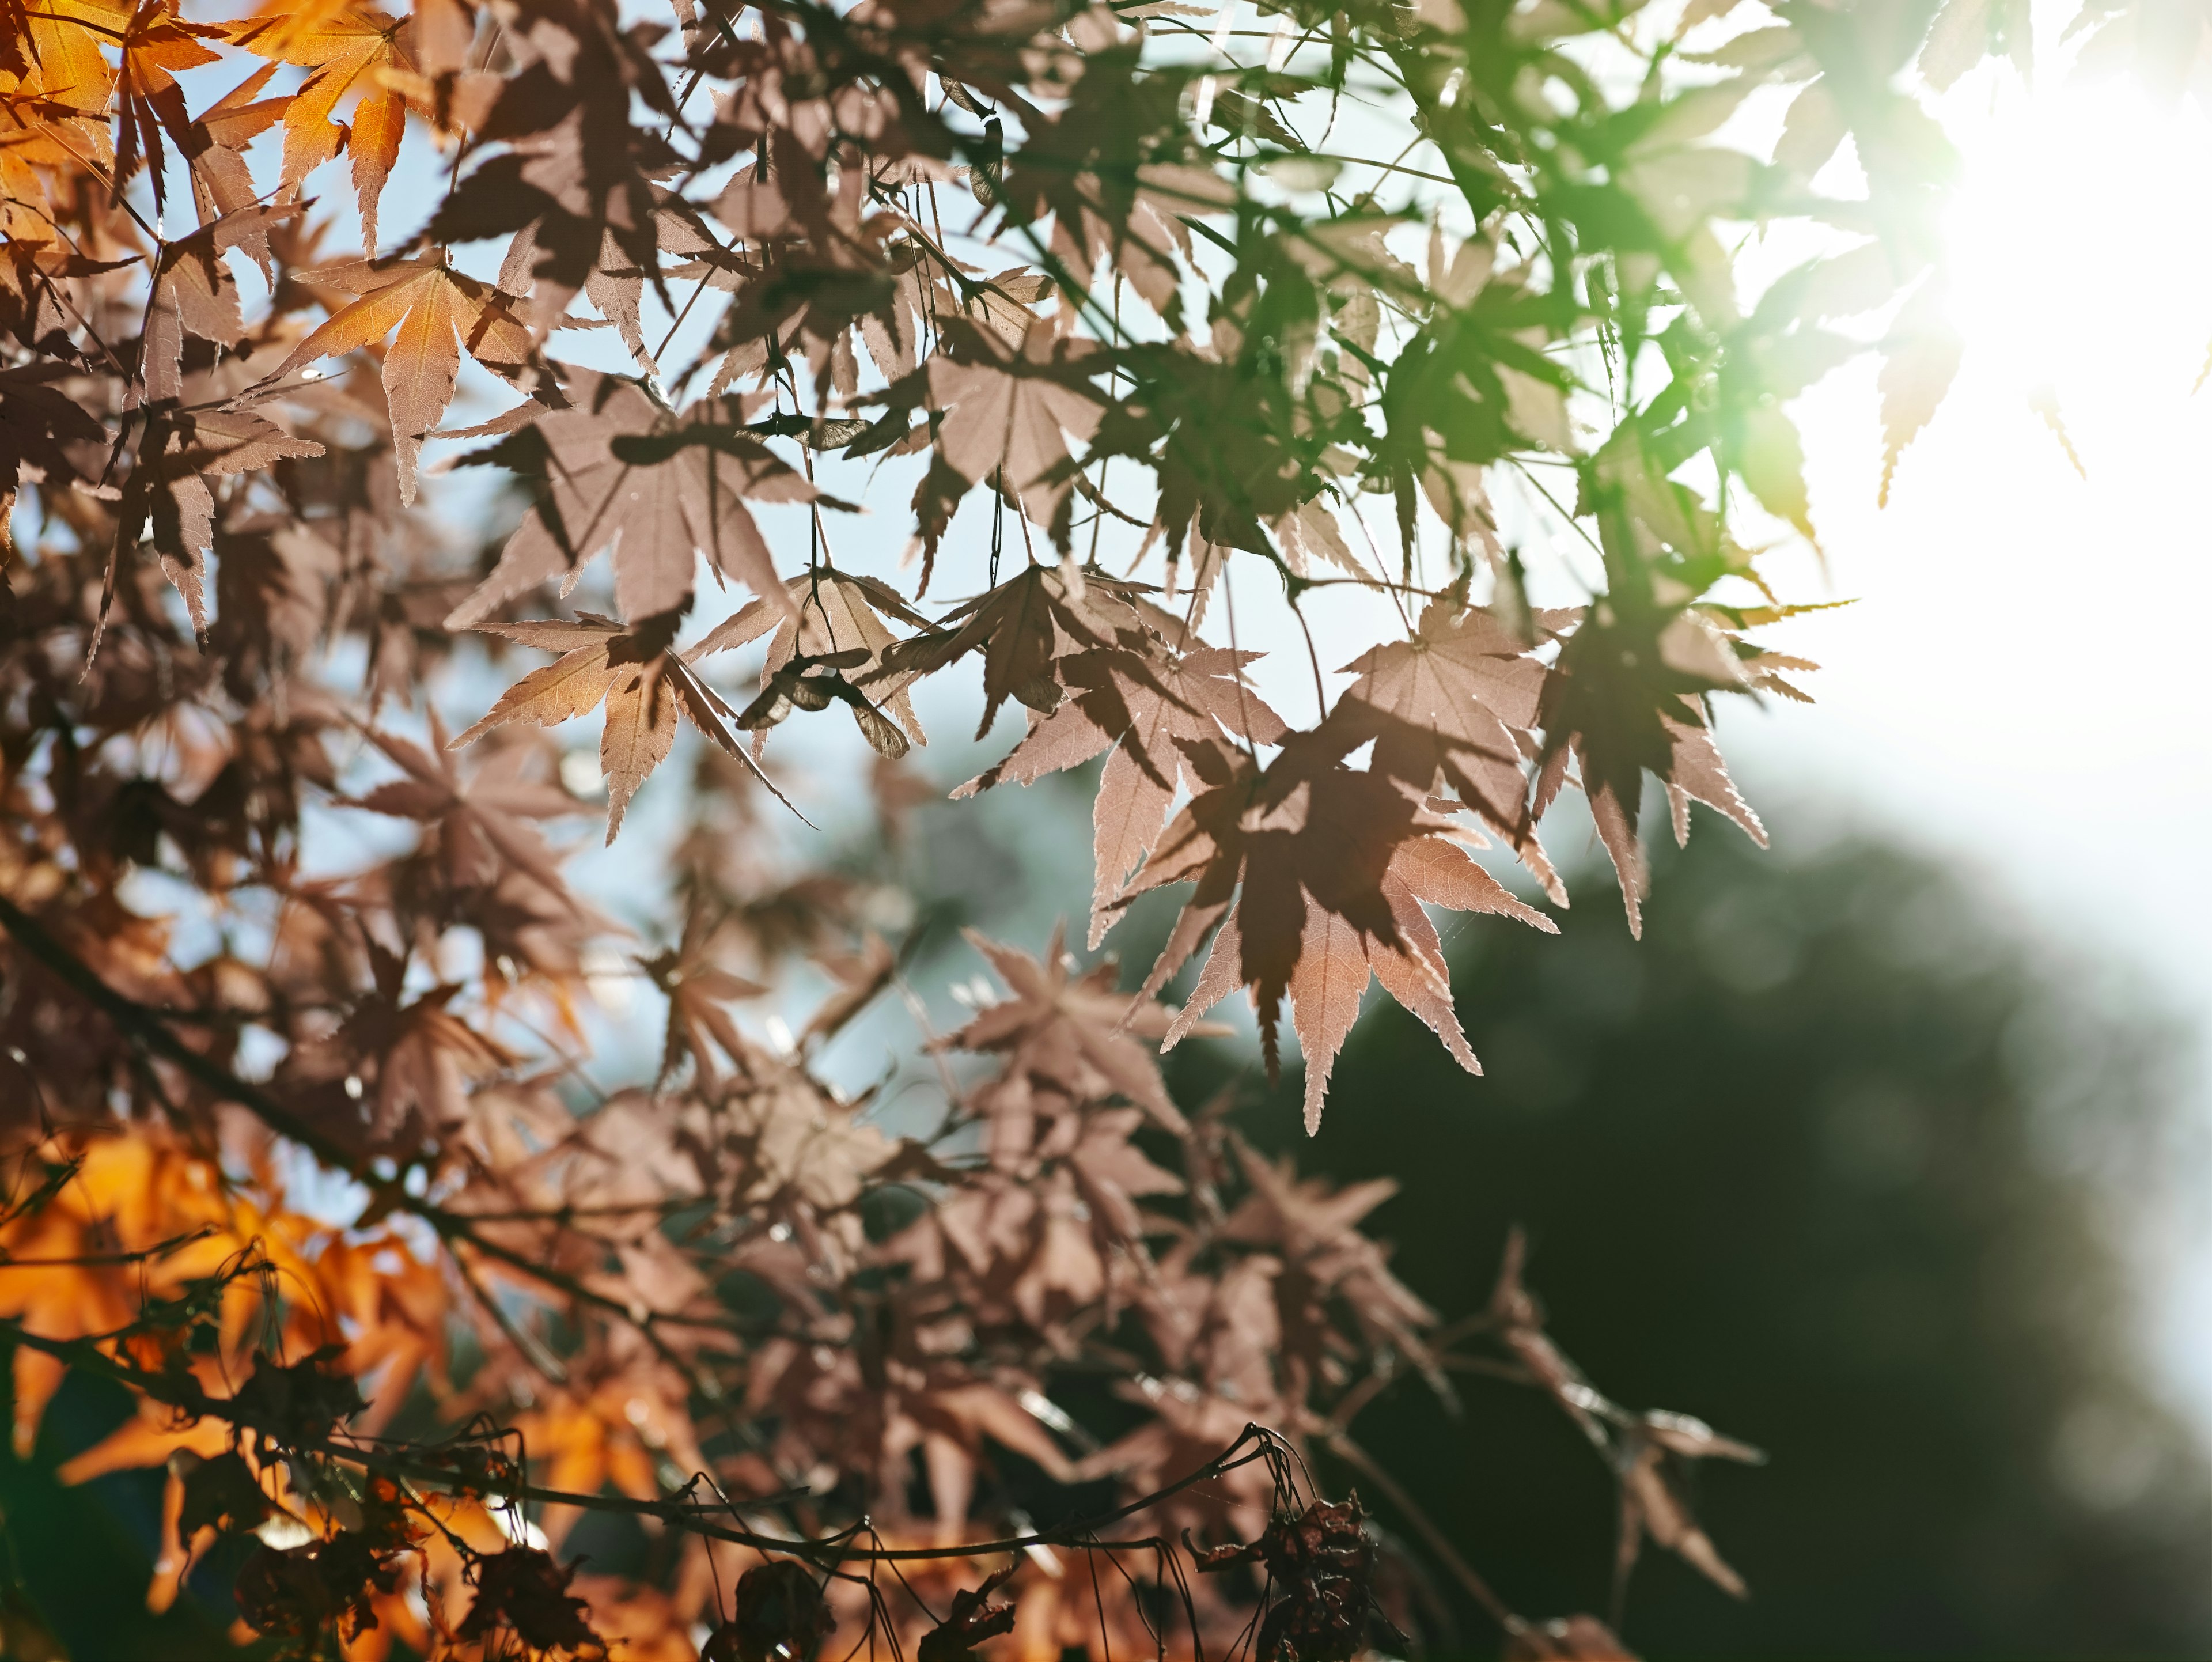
(728, 1294)
(1576, 311)
(676, 1309)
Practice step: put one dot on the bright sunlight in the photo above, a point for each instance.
(2077, 249)
(2054, 619)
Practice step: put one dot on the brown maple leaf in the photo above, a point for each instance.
(1313, 1226)
(617, 470)
(429, 1058)
(1644, 1450)
(857, 978)
(1315, 875)
(1446, 709)
(483, 824)
(1078, 1031)
(1022, 627)
(1011, 413)
(697, 988)
(1147, 707)
(1655, 1502)
(407, 1065)
(578, 163)
(213, 145)
(1625, 699)
(642, 684)
(156, 44)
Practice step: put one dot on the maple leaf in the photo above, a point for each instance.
(642, 684)
(1921, 360)
(338, 46)
(483, 825)
(155, 45)
(451, 95)
(1022, 627)
(1643, 1449)
(619, 471)
(1445, 709)
(1313, 1226)
(1315, 875)
(696, 989)
(213, 146)
(859, 976)
(1009, 413)
(1654, 1501)
(55, 50)
(437, 311)
(1623, 700)
(579, 166)
(616, 283)
(1133, 217)
(1146, 708)
(177, 454)
(1078, 1031)
(423, 1057)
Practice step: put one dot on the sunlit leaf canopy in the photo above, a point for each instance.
(1326, 286)
(1013, 342)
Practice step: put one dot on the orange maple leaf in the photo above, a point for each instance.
(339, 47)
(437, 311)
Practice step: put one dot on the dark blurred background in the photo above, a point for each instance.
(1832, 1158)
(1836, 1158)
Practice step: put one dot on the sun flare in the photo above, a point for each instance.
(2076, 244)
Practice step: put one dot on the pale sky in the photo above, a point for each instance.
(2022, 684)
